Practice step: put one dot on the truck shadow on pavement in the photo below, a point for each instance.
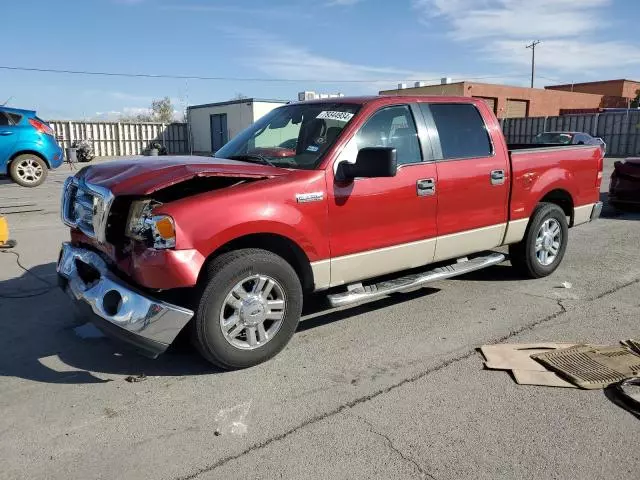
(44, 339)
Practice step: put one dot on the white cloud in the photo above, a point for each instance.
(281, 60)
(500, 29)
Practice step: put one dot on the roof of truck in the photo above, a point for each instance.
(393, 98)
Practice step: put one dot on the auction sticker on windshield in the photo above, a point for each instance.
(339, 116)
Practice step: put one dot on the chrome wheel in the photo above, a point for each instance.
(29, 170)
(253, 312)
(548, 241)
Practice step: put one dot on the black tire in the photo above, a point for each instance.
(222, 274)
(523, 255)
(19, 174)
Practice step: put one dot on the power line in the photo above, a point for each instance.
(220, 78)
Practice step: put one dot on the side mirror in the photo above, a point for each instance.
(371, 162)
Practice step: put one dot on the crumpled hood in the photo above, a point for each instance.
(142, 176)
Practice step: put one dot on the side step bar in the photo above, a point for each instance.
(377, 290)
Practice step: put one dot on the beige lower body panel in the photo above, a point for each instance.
(582, 214)
(471, 241)
(515, 231)
(359, 266)
(321, 274)
(374, 263)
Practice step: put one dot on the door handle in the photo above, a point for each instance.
(426, 187)
(497, 177)
(4, 133)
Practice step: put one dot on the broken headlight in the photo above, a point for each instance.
(157, 231)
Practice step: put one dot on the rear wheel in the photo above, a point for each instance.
(249, 309)
(544, 244)
(28, 170)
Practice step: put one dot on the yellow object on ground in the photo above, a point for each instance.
(4, 230)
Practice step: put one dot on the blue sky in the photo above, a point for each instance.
(315, 43)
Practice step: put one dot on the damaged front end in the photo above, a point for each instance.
(124, 254)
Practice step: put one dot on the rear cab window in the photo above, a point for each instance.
(461, 130)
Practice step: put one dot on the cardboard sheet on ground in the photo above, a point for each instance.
(526, 371)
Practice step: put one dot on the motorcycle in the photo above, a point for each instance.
(84, 150)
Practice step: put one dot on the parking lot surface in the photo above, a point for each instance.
(389, 389)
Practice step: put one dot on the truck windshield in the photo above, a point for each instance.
(292, 136)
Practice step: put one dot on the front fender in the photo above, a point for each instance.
(208, 222)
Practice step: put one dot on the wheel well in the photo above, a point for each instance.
(27, 152)
(561, 198)
(281, 246)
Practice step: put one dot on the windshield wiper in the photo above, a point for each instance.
(252, 157)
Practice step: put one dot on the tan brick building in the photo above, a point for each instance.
(512, 102)
(611, 88)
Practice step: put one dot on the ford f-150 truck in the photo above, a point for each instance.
(358, 197)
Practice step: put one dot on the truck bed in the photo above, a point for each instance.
(539, 169)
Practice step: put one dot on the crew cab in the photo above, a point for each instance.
(355, 197)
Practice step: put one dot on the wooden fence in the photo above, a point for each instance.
(120, 138)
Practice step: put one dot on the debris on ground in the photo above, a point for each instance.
(525, 370)
(591, 367)
(627, 395)
(566, 365)
(566, 285)
(137, 378)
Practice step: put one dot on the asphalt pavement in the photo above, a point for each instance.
(389, 389)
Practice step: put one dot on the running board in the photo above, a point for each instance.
(377, 290)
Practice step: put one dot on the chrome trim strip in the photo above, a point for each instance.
(137, 313)
(413, 281)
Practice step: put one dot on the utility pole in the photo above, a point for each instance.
(532, 46)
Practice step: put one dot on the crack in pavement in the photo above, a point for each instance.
(412, 379)
(391, 445)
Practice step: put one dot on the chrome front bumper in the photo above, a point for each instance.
(119, 309)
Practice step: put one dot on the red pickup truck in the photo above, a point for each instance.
(358, 197)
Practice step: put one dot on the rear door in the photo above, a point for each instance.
(473, 179)
(384, 225)
(8, 139)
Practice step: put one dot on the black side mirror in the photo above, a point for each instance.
(371, 162)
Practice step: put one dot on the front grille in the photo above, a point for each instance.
(86, 207)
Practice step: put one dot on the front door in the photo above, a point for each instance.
(219, 133)
(473, 180)
(383, 225)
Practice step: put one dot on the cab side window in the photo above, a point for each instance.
(388, 127)
(4, 120)
(462, 131)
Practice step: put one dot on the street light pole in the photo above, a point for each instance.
(532, 46)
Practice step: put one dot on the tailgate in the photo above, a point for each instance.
(576, 169)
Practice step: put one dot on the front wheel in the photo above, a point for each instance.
(249, 308)
(544, 244)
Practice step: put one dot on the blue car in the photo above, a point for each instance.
(28, 147)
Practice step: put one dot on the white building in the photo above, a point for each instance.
(214, 124)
